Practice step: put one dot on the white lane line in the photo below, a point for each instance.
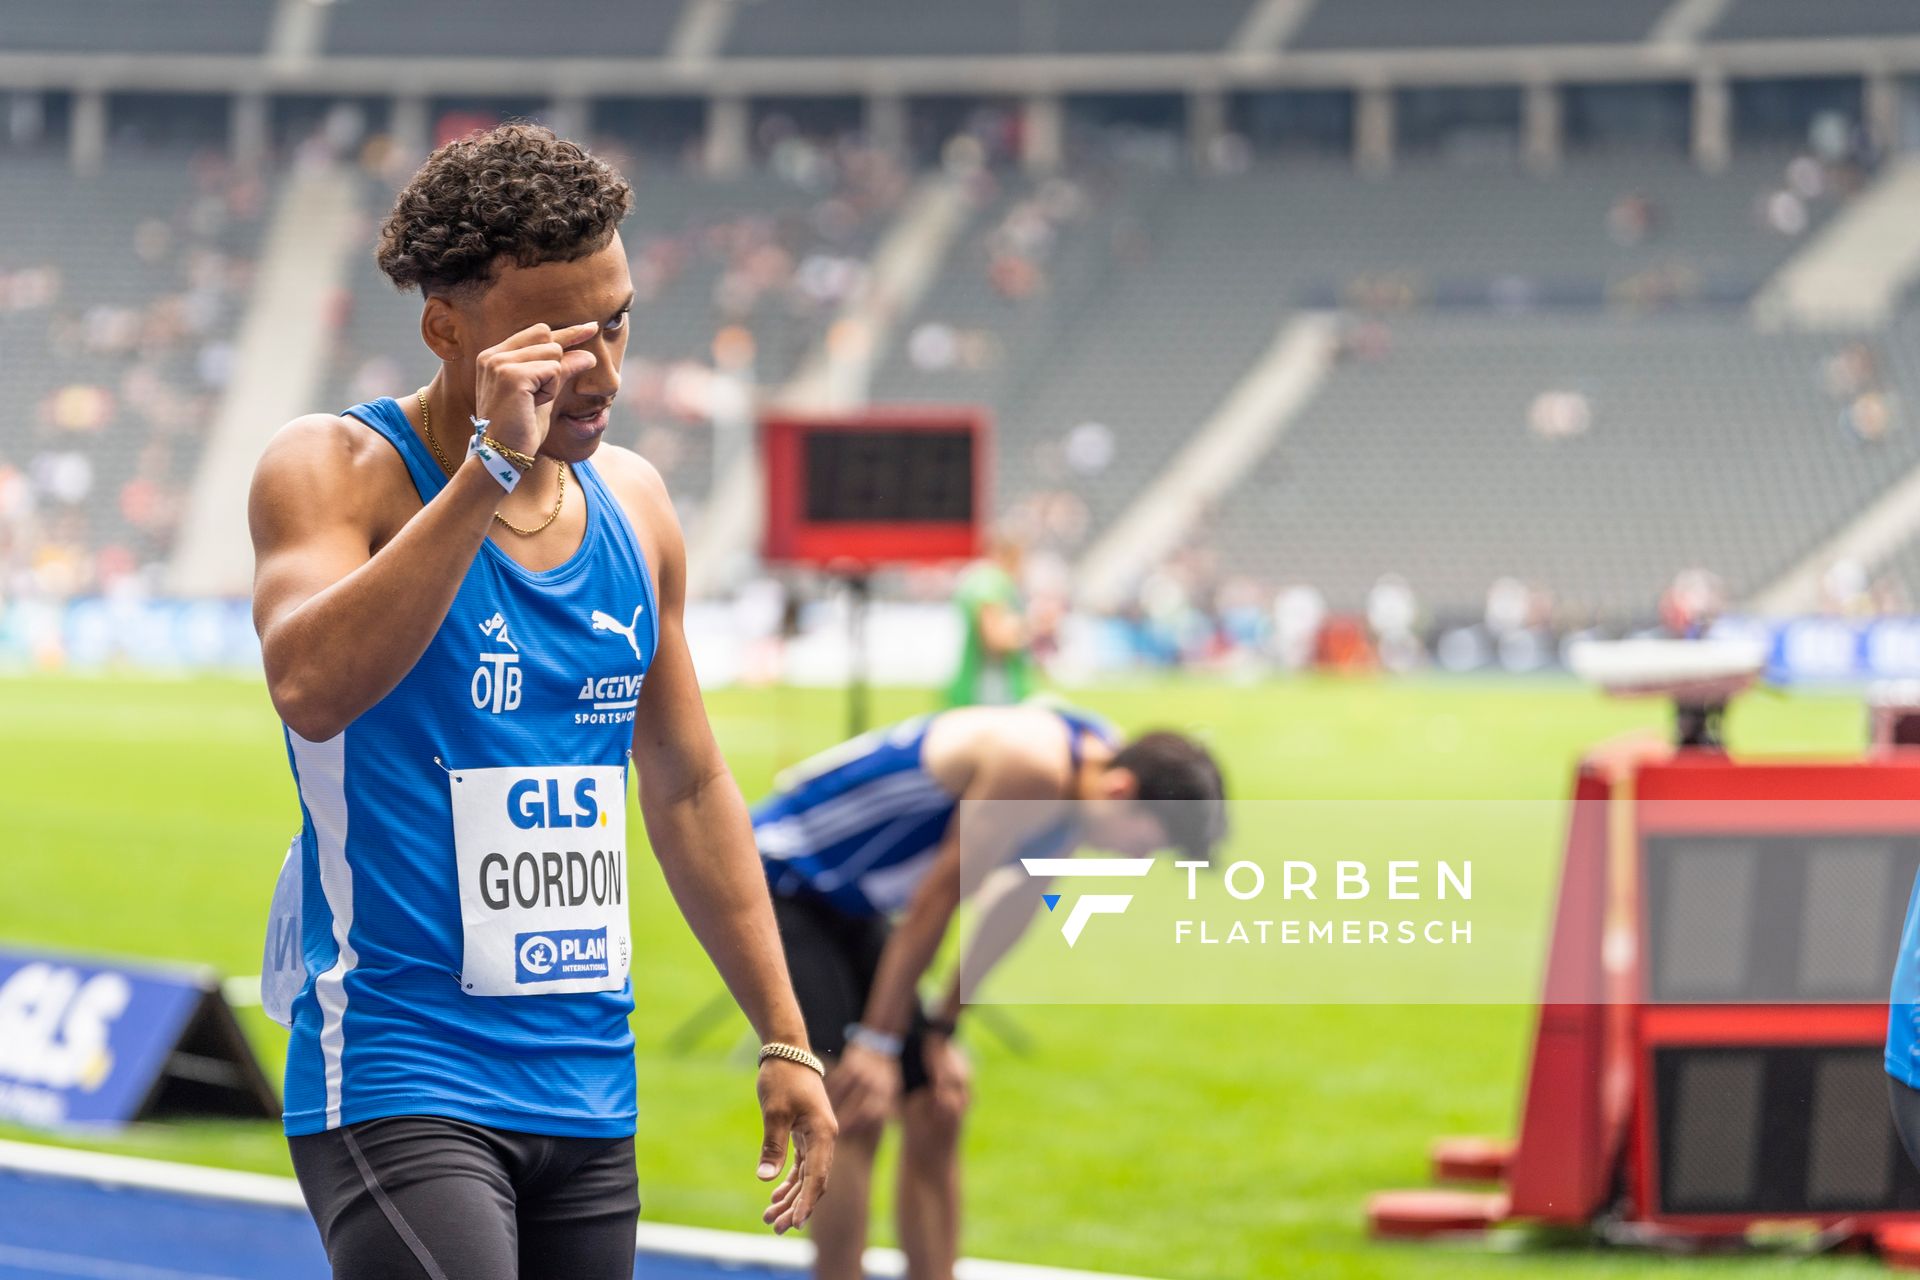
(733, 1247)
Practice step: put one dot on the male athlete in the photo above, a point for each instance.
(469, 629)
(876, 828)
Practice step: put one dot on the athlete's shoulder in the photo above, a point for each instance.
(639, 488)
(1024, 751)
(326, 465)
(323, 447)
(629, 475)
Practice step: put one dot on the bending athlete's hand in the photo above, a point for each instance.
(793, 1103)
(864, 1086)
(948, 1072)
(515, 381)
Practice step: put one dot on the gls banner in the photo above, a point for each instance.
(90, 1044)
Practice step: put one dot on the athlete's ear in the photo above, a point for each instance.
(442, 327)
(1119, 784)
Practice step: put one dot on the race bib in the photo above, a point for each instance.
(542, 856)
(283, 964)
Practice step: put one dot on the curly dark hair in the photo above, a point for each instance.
(516, 193)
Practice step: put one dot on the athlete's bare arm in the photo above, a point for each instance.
(1031, 778)
(700, 832)
(347, 591)
(1004, 907)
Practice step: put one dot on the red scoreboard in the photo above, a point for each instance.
(852, 492)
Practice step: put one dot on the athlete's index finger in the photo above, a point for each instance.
(575, 334)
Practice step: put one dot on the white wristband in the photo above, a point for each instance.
(874, 1041)
(498, 467)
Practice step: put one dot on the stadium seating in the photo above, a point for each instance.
(118, 295)
(459, 28)
(1791, 19)
(1696, 444)
(1395, 24)
(205, 26)
(856, 28)
(1102, 316)
(1160, 296)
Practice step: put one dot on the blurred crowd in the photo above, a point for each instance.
(729, 299)
(118, 349)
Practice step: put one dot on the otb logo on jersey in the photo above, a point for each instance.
(1092, 904)
(496, 681)
(558, 954)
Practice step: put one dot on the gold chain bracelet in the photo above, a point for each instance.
(792, 1053)
(560, 501)
(524, 461)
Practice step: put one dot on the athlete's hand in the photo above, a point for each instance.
(864, 1086)
(516, 381)
(793, 1102)
(949, 1074)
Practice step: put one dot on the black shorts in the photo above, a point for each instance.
(427, 1198)
(833, 958)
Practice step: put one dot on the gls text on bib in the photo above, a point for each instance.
(542, 854)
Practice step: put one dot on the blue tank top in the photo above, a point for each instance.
(861, 824)
(463, 851)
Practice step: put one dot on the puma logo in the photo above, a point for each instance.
(603, 621)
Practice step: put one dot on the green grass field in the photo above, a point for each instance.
(147, 819)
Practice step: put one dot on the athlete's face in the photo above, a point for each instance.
(596, 287)
(1112, 821)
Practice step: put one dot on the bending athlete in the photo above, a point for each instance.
(870, 848)
(470, 613)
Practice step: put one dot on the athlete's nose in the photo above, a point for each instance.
(602, 382)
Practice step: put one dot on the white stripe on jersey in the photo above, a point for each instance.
(797, 835)
(322, 769)
(794, 776)
(881, 841)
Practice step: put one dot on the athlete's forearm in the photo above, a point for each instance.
(344, 648)
(909, 951)
(704, 842)
(1006, 908)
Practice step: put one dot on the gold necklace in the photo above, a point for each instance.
(426, 426)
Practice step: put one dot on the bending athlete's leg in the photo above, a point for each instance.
(927, 1208)
(409, 1198)
(577, 1217)
(831, 960)
(839, 1223)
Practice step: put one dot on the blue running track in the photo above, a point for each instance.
(66, 1214)
(58, 1227)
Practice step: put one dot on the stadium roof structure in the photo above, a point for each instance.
(1270, 44)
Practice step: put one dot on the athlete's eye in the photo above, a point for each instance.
(616, 324)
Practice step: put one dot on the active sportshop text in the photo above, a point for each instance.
(551, 878)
